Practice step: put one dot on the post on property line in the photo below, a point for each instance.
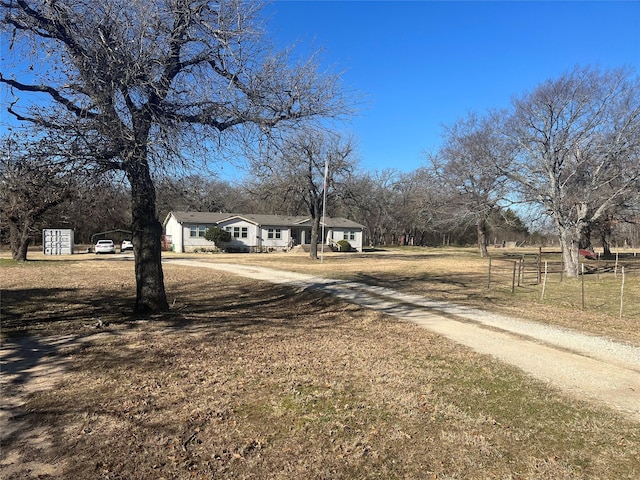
(539, 264)
(520, 268)
(622, 292)
(513, 279)
(489, 275)
(582, 267)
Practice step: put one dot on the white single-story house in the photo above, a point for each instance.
(254, 233)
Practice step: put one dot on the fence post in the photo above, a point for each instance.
(582, 276)
(520, 271)
(539, 264)
(489, 275)
(513, 279)
(622, 292)
(544, 281)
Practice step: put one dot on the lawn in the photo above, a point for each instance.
(247, 380)
(459, 275)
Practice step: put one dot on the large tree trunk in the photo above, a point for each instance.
(146, 232)
(569, 241)
(315, 211)
(313, 247)
(606, 242)
(19, 240)
(481, 227)
(605, 236)
(585, 237)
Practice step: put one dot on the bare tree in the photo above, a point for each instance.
(470, 166)
(367, 199)
(295, 172)
(141, 82)
(196, 193)
(33, 183)
(578, 149)
(625, 212)
(398, 208)
(101, 204)
(413, 205)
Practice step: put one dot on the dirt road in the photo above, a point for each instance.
(586, 366)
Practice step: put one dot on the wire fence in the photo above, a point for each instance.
(610, 286)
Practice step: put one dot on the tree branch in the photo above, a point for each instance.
(52, 92)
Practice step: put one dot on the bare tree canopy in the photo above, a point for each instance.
(306, 170)
(197, 193)
(470, 166)
(33, 183)
(137, 83)
(577, 140)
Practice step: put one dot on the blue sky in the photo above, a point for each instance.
(422, 64)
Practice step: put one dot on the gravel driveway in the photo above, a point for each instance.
(586, 366)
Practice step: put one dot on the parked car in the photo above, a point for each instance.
(126, 245)
(105, 246)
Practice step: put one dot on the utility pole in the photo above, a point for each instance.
(324, 206)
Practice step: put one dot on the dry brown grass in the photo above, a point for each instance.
(246, 380)
(459, 275)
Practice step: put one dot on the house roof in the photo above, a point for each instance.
(197, 217)
(258, 219)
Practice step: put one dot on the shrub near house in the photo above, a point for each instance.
(344, 245)
(218, 236)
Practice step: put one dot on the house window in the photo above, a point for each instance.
(197, 230)
(274, 233)
(238, 232)
(349, 235)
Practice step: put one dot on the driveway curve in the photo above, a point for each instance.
(586, 366)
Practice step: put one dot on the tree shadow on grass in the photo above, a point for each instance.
(458, 287)
(55, 311)
(38, 322)
(29, 365)
(156, 349)
(252, 305)
(403, 256)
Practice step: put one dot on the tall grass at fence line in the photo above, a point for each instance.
(600, 289)
(602, 293)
